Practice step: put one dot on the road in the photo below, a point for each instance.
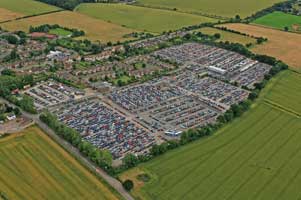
(74, 152)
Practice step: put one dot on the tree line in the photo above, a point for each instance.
(10, 82)
(102, 158)
(71, 4)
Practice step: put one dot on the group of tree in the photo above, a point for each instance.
(81, 46)
(101, 158)
(5, 109)
(9, 82)
(71, 4)
(285, 6)
(12, 56)
(3, 196)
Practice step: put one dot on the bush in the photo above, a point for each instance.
(128, 185)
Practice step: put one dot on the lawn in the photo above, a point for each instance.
(228, 36)
(280, 20)
(143, 19)
(95, 29)
(32, 166)
(60, 32)
(228, 8)
(124, 78)
(281, 45)
(27, 7)
(255, 157)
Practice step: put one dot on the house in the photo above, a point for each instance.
(11, 116)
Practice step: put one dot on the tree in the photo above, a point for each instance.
(128, 185)
(130, 160)
(217, 35)
(286, 28)
(8, 72)
(11, 39)
(3, 196)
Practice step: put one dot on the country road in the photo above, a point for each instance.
(74, 152)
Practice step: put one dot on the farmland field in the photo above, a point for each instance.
(8, 15)
(255, 157)
(287, 92)
(228, 8)
(227, 36)
(34, 167)
(27, 7)
(152, 20)
(280, 20)
(94, 29)
(282, 45)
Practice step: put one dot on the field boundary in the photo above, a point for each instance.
(180, 11)
(72, 151)
(270, 27)
(29, 16)
(282, 108)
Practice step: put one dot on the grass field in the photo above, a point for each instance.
(282, 45)
(34, 167)
(227, 36)
(60, 32)
(228, 8)
(27, 7)
(287, 92)
(152, 20)
(255, 157)
(95, 29)
(280, 20)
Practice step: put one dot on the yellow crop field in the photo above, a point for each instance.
(95, 29)
(282, 45)
(34, 167)
(8, 15)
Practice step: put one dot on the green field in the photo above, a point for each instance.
(228, 8)
(60, 32)
(139, 18)
(287, 92)
(280, 20)
(228, 36)
(255, 157)
(34, 167)
(27, 7)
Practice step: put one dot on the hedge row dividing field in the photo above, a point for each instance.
(228, 8)
(255, 157)
(8, 15)
(32, 166)
(140, 18)
(27, 7)
(280, 20)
